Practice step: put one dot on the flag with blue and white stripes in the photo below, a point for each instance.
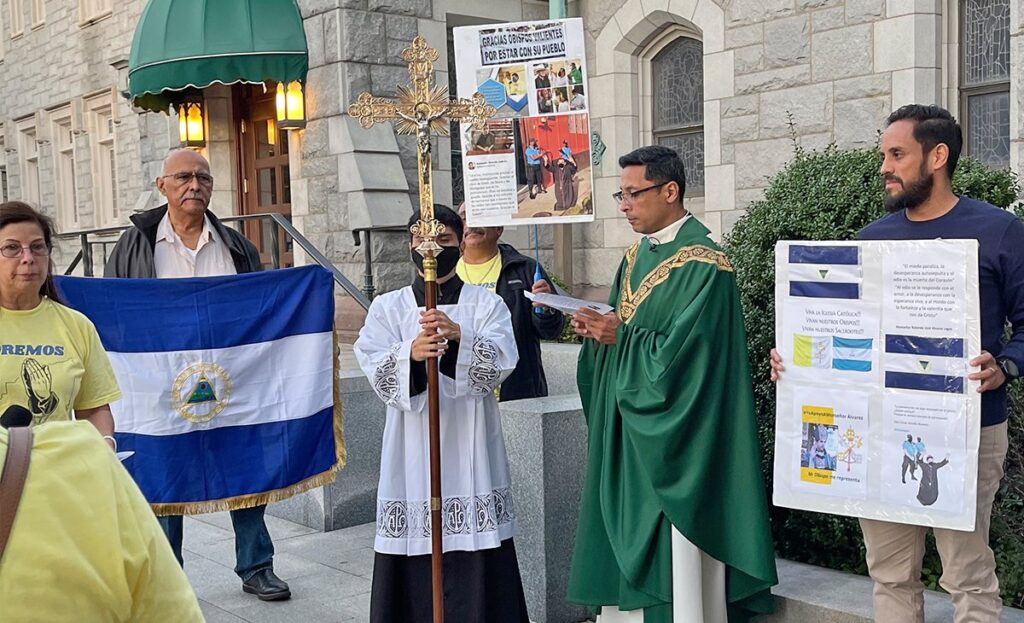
(825, 271)
(925, 363)
(229, 384)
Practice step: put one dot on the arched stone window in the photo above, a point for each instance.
(985, 80)
(677, 102)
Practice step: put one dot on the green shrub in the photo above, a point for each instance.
(831, 195)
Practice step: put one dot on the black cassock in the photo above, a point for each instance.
(566, 185)
(929, 490)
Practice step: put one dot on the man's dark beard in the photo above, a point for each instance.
(912, 195)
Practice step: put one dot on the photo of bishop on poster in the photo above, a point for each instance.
(531, 164)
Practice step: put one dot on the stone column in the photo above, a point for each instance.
(909, 44)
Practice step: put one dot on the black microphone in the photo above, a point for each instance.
(15, 416)
(652, 243)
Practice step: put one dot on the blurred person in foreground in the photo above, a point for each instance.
(85, 545)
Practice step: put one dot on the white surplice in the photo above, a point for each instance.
(698, 588)
(477, 507)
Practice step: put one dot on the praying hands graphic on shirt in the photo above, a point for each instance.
(42, 401)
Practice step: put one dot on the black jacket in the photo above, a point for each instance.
(517, 272)
(133, 254)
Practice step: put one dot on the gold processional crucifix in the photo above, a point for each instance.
(422, 110)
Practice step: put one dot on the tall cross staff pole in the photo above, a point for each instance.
(421, 110)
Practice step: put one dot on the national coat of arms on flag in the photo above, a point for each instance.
(230, 384)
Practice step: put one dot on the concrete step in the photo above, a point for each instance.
(808, 593)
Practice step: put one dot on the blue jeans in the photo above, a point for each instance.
(254, 550)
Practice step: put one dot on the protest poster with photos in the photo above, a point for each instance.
(531, 164)
(875, 415)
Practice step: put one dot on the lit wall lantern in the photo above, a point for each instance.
(291, 106)
(191, 128)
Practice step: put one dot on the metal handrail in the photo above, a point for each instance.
(368, 287)
(84, 255)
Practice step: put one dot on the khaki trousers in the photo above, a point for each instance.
(895, 553)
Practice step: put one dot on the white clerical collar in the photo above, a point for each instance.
(165, 232)
(667, 234)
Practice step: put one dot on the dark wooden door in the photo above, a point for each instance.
(265, 178)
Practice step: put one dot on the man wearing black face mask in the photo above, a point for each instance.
(920, 148)
(471, 334)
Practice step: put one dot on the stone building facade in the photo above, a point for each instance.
(748, 75)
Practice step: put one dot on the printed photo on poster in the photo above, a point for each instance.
(505, 87)
(925, 448)
(556, 157)
(832, 447)
(497, 137)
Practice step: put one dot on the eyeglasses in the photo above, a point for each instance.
(629, 196)
(13, 250)
(186, 176)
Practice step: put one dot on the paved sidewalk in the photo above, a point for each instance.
(329, 573)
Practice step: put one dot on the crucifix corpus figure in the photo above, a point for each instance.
(439, 337)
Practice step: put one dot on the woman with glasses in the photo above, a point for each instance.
(52, 363)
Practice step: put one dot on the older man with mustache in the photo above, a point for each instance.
(184, 238)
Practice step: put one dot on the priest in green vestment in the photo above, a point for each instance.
(674, 506)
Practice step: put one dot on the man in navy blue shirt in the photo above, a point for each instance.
(920, 149)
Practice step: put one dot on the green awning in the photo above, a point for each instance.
(182, 44)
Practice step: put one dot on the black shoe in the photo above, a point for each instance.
(267, 586)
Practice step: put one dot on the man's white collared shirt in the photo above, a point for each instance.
(172, 258)
(668, 234)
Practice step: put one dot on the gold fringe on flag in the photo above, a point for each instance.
(276, 495)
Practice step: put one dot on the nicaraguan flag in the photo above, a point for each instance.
(810, 351)
(228, 383)
(819, 271)
(852, 355)
(927, 364)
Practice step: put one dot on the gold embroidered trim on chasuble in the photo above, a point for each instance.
(630, 300)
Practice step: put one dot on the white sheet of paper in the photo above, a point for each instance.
(567, 304)
(124, 455)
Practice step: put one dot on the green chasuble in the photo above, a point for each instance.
(672, 438)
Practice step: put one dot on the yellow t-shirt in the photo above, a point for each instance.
(85, 545)
(52, 362)
(484, 275)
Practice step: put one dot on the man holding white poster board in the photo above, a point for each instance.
(920, 148)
